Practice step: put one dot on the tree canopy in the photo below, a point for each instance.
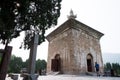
(17, 64)
(112, 66)
(31, 16)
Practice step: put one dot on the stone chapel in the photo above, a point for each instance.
(74, 48)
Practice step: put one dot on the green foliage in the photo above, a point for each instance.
(0, 57)
(107, 66)
(31, 16)
(7, 20)
(40, 64)
(25, 64)
(114, 66)
(16, 64)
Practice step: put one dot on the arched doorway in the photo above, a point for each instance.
(56, 63)
(89, 63)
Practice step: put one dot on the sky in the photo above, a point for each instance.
(102, 15)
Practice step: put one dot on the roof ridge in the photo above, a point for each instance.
(72, 23)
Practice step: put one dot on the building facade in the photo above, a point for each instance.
(74, 48)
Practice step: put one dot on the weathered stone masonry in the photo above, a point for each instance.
(74, 48)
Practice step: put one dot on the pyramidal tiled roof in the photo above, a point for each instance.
(72, 23)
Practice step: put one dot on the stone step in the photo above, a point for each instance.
(91, 73)
(53, 73)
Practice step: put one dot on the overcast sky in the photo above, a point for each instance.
(102, 15)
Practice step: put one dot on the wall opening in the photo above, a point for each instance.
(56, 63)
(89, 63)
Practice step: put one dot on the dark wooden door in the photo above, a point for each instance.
(55, 66)
(89, 65)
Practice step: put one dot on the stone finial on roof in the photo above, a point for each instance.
(72, 16)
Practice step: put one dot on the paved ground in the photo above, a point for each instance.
(71, 77)
(74, 77)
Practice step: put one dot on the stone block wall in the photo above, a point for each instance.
(75, 43)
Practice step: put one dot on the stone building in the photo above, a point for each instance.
(74, 48)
